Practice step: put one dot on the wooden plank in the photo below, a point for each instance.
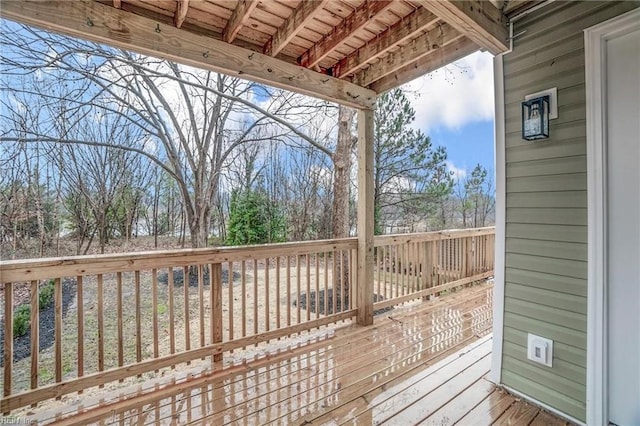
(451, 52)
(8, 342)
(489, 410)
(546, 419)
(461, 403)
(365, 217)
(517, 414)
(358, 19)
(480, 21)
(292, 25)
(238, 19)
(431, 394)
(428, 43)
(30, 269)
(182, 8)
(35, 329)
(143, 35)
(400, 32)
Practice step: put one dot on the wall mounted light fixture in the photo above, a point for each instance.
(535, 118)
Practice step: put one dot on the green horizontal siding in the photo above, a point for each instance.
(546, 205)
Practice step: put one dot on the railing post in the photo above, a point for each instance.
(216, 304)
(365, 217)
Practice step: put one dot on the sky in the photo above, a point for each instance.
(455, 107)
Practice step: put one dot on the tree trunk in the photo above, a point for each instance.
(340, 225)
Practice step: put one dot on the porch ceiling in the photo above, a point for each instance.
(341, 50)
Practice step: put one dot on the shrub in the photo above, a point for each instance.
(46, 294)
(21, 319)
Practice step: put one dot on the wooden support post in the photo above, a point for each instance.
(365, 217)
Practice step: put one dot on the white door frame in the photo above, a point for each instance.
(597, 339)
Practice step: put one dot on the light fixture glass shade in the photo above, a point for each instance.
(535, 118)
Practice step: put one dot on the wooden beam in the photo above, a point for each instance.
(480, 21)
(450, 53)
(365, 217)
(239, 17)
(399, 32)
(352, 23)
(292, 25)
(181, 13)
(104, 24)
(427, 43)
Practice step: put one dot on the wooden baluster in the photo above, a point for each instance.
(201, 303)
(308, 296)
(317, 302)
(136, 279)
(278, 292)
(230, 288)
(80, 303)
(215, 279)
(243, 299)
(8, 340)
(35, 329)
(187, 322)
(172, 328)
(326, 283)
(334, 276)
(58, 328)
(100, 322)
(298, 261)
(154, 304)
(119, 319)
(288, 291)
(267, 319)
(342, 283)
(396, 269)
(255, 297)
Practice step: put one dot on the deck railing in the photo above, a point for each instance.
(115, 317)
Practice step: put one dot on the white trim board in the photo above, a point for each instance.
(595, 60)
(499, 259)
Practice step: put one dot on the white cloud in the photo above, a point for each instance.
(456, 95)
(458, 172)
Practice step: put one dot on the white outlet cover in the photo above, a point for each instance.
(553, 100)
(540, 350)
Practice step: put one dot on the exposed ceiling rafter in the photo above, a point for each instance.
(239, 17)
(428, 43)
(352, 23)
(298, 19)
(452, 52)
(399, 32)
(182, 8)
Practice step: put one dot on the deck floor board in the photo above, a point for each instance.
(424, 363)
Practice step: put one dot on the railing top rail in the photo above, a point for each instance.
(34, 269)
(448, 234)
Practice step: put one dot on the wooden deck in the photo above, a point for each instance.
(423, 363)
